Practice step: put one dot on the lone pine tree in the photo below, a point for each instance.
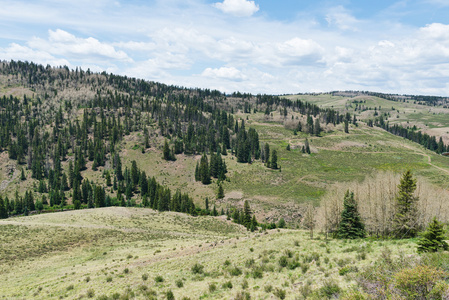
(405, 223)
(351, 226)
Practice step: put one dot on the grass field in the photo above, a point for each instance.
(137, 253)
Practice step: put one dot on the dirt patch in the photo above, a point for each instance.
(348, 144)
(233, 195)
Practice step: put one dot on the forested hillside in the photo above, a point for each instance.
(60, 127)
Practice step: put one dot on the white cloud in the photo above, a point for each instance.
(342, 19)
(239, 8)
(63, 43)
(23, 53)
(192, 43)
(299, 51)
(229, 73)
(435, 31)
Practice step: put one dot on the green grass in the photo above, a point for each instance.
(122, 250)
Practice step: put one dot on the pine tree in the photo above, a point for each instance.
(351, 226)
(432, 240)
(405, 223)
(3, 209)
(317, 127)
(274, 160)
(307, 146)
(204, 170)
(253, 224)
(207, 203)
(246, 214)
(197, 172)
(220, 192)
(166, 151)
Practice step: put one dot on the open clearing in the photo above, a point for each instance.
(90, 253)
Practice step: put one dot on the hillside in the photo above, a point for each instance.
(120, 252)
(101, 118)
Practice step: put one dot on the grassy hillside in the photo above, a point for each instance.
(121, 251)
(337, 158)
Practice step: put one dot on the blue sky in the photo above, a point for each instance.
(260, 46)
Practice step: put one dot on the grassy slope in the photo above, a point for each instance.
(337, 158)
(51, 255)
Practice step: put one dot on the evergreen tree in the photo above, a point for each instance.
(118, 168)
(351, 226)
(220, 192)
(266, 153)
(197, 172)
(274, 159)
(3, 209)
(405, 223)
(166, 151)
(22, 176)
(433, 239)
(253, 224)
(317, 127)
(135, 173)
(306, 146)
(206, 203)
(346, 126)
(246, 214)
(204, 170)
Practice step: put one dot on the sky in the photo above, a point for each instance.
(260, 46)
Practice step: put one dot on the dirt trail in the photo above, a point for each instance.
(429, 159)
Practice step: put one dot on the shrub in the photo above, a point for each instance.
(330, 289)
(245, 284)
(344, 270)
(179, 283)
(227, 263)
(280, 293)
(268, 288)
(304, 268)
(235, 271)
(283, 261)
(197, 268)
(421, 282)
(70, 287)
(90, 293)
(288, 253)
(159, 278)
(109, 279)
(281, 223)
(249, 263)
(242, 296)
(126, 271)
(212, 287)
(169, 295)
(257, 273)
(144, 277)
(227, 285)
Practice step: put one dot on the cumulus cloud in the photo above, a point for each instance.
(229, 73)
(299, 51)
(63, 43)
(436, 31)
(23, 53)
(239, 8)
